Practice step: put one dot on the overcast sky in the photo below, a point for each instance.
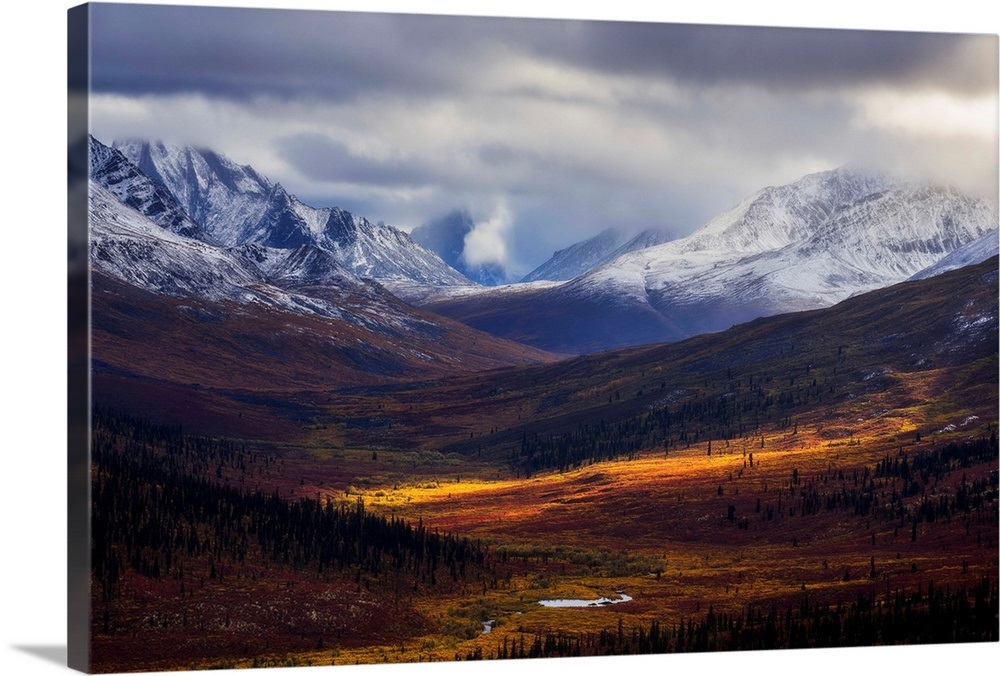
(547, 131)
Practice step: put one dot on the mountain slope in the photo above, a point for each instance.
(903, 355)
(306, 280)
(236, 205)
(974, 252)
(584, 256)
(576, 259)
(129, 246)
(206, 335)
(110, 169)
(805, 245)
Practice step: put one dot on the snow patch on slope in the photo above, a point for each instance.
(974, 252)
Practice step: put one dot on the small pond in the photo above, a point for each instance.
(586, 603)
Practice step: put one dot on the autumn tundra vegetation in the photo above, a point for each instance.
(826, 478)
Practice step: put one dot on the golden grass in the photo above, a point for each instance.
(655, 527)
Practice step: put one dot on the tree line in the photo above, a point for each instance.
(745, 407)
(930, 615)
(894, 490)
(161, 509)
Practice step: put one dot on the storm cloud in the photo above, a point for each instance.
(321, 158)
(249, 52)
(572, 126)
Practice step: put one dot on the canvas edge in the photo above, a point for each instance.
(78, 347)
(78, 315)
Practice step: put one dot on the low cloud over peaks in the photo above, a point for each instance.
(486, 242)
(572, 126)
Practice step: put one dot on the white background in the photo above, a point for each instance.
(33, 310)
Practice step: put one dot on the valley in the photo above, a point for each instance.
(294, 465)
(859, 502)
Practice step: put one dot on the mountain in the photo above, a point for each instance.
(181, 325)
(643, 240)
(576, 259)
(805, 245)
(584, 256)
(141, 235)
(878, 240)
(974, 252)
(110, 169)
(445, 236)
(125, 244)
(235, 205)
(306, 280)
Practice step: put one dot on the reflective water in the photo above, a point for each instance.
(585, 603)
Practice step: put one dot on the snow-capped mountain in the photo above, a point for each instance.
(578, 258)
(109, 168)
(974, 252)
(584, 256)
(818, 257)
(235, 205)
(445, 236)
(805, 245)
(179, 310)
(141, 235)
(127, 245)
(777, 216)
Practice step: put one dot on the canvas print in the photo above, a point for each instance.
(419, 338)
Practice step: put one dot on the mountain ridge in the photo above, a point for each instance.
(808, 244)
(602, 248)
(237, 205)
(181, 311)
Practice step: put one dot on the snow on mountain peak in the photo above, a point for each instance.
(236, 205)
(779, 215)
(603, 247)
(805, 245)
(112, 170)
